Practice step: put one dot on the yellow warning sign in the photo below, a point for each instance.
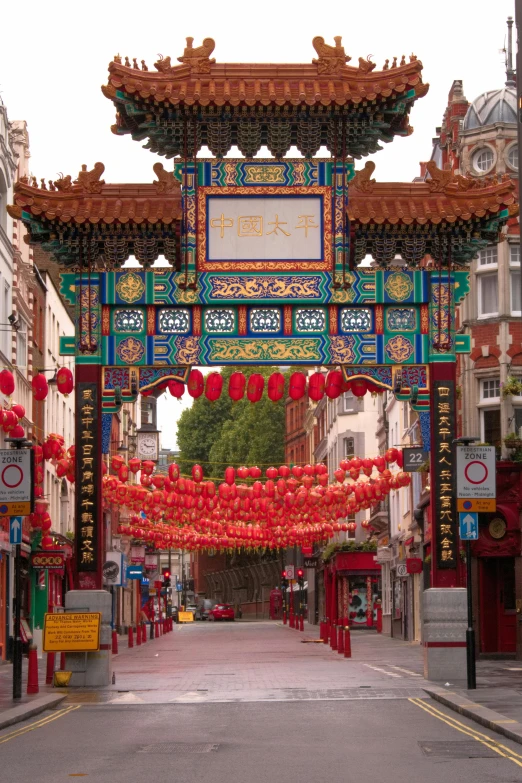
(72, 632)
(185, 617)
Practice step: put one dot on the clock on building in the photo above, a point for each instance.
(147, 445)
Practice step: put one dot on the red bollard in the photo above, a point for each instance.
(138, 636)
(143, 628)
(62, 662)
(291, 620)
(32, 672)
(301, 627)
(333, 637)
(284, 617)
(49, 673)
(131, 637)
(326, 631)
(156, 630)
(115, 642)
(340, 640)
(379, 617)
(347, 643)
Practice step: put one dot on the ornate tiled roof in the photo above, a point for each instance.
(444, 197)
(91, 200)
(325, 102)
(326, 80)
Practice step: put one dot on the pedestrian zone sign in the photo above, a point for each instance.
(468, 526)
(476, 472)
(16, 486)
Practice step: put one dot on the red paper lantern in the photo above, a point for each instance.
(236, 386)
(230, 475)
(359, 387)
(47, 542)
(147, 467)
(297, 385)
(17, 431)
(176, 388)
(256, 384)
(214, 386)
(10, 421)
(316, 385)
(391, 455)
(7, 384)
(196, 384)
(334, 384)
(64, 381)
(173, 471)
(134, 465)
(40, 387)
(276, 386)
(197, 473)
(19, 410)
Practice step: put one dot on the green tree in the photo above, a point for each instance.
(232, 433)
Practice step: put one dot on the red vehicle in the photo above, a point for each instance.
(222, 612)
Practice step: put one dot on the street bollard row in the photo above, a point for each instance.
(157, 629)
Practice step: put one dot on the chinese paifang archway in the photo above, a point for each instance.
(264, 253)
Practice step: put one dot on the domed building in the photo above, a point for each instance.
(479, 140)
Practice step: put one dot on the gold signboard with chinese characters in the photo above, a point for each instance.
(443, 467)
(269, 228)
(87, 491)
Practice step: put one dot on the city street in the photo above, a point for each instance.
(222, 702)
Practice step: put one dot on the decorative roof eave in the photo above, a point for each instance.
(99, 203)
(444, 198)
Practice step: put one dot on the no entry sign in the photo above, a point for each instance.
(476, 472)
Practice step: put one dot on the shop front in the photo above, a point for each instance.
(352, 583)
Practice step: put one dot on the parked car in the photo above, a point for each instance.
(222, 612)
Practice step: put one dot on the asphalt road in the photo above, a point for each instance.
(244, 733)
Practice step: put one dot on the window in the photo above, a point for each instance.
(348, 447)
(513, 157)
(21, 345)
(514, 254)
(488, 256)
(483, 160)
(515, 284)
(349, 402)
(490, 389)
(490, 426)
(487, 295)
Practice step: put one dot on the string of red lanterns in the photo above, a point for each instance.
(294, 506)
(318, 385)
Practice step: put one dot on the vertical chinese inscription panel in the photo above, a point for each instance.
(88, 459)
(444, 433)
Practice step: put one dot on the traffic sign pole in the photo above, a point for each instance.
(470, 631)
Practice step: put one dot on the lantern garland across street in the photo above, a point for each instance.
(292, 506)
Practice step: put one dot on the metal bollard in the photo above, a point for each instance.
(347, 643)
(340, 640)
(32, 672)
(49, 674)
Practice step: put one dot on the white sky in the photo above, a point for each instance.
(54, 57)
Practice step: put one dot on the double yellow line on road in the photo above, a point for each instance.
(37, 724)
(484, 739)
